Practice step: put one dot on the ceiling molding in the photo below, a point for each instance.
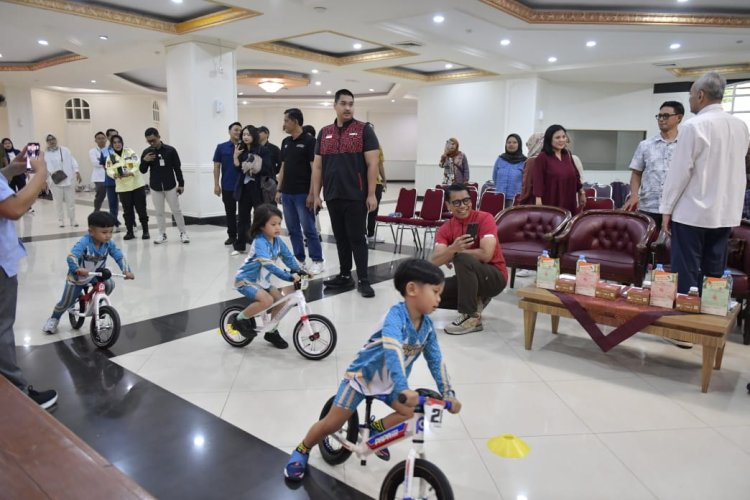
(545, 16)
(278, 48)
(107, 14)
(44, 63)
(728, 69)
(441, 76)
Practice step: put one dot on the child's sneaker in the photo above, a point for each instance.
(297, 465)
(383, 453)
(50, 326)
(274, 338)
(246, 327)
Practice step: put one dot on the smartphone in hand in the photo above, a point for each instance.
(32, 150)
(473, 230)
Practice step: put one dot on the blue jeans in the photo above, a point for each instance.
(301, 219)
(114, 203)
(698, 252)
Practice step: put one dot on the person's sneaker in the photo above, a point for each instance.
(230, 240)
(297, 465)
(679, 343)
(45, 399)
(523, 273)
(145, 235)
(62, 225)
(465, 323)
(161, 239)
(383, 453)
(339, 281)
(74, 224)
(128, 236)
(316, 268)
(246, 327)
(184, 238)
(50, 326)
(364, 289)
(274, 338)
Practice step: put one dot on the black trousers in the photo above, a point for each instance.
(133, 201)
(371, 216)
(698, 252)
(18, 182)
(474, 280)
(348, 223)
(230, 209)
(656, 217)
(101, 193)
(251, 198)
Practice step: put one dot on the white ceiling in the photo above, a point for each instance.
(163, 9)
(332, 43)
(715, 6)
(469, 36)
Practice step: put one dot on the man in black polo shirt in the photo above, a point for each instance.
(165, 165)
(297, 154)
(263, 134)
(346, 165)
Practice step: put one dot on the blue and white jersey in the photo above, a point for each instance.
(93, 258)
(383, 365)
(260, 263)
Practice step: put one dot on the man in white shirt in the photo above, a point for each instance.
(59, 159)
(705, 186)
(98, 157)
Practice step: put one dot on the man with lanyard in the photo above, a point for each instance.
(346, 167)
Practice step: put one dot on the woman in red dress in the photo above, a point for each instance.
(557, 182)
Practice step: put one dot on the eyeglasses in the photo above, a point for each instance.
(664, 116)
(458, 203)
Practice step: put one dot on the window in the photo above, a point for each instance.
(737, 101)
(77, 109)
(155, 111)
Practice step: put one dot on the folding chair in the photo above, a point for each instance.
(493, 203)
(405, 205)
(599, 204)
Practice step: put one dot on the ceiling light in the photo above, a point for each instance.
(328, 92)
(448, 66)
(682, 1)
(372, 90)
(438, 19)
(318, 83)
(176, 1)
(504, 42)
(675, 46)
(240, 93)
(357, 46)
(270, 86)
(244, 102)
(393, 100)
(314, 71)
(2, 56)
(591, 43)
(93, 81)
(43, 42)
(552, 59)
(103, 37)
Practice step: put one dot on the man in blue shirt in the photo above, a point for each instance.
(225, 172)
(12, 207)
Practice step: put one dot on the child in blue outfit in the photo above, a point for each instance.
(383, 365)
(253, 280)
(89, 255)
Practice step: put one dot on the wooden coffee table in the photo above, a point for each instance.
(704, 329)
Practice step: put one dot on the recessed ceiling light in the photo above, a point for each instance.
(504, 42)
(552, 59)
(357, 46)
(591, 43)
(42, 42)
(103, 37)
(176, 1)
(675, 46)
(318, 83)
(328, 92)
(438, 19)
(244, 102)
(393, 100)
(93, 81)
(448, 66)
(2, 56)
(682, 1)
(314, 71)
(240, 93)
(372, 90)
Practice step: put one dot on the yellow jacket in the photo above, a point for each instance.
(129, 162)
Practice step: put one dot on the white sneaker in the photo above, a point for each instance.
(237, 252)
(373, 239)
(50, 326)
(161, 239)
(316, 268)
(184, 238)
(465, 323)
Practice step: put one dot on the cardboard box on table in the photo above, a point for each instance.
(716, 296)
(663, 289)
(587, 277)
(547, 272)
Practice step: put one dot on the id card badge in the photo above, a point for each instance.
(161, 161)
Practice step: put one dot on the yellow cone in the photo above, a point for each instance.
(508, 446)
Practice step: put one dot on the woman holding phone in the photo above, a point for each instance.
(123, 166)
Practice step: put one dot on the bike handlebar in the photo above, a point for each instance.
(105, 275)
(423, 399)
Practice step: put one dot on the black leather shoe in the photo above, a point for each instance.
(145, 235)
(230, 240)
(339, 281)
(128, 236)
(364, 289)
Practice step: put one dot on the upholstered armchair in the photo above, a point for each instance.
(617, 240)
(525, 231)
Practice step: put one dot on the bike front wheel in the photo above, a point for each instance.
(317, 344)
(105, 329)
(232, 336)
(76, 320)
(435, 485)
(331, 450)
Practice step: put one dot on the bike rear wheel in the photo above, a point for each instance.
(105, 329)
(332, 451)
(232, 336)
(437, 487)
(320, 343)
(76, 320)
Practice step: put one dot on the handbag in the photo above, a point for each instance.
(58, 176)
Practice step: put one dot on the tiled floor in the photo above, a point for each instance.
(629, 424)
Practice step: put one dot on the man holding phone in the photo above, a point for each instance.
(468, 243)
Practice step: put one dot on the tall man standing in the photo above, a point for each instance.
(98, 158)
(297, 155)
(651, 162)
(224, 170)
(263, 134)
(165, 166)
(346, 165)
(109, 182)
(705, 186)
